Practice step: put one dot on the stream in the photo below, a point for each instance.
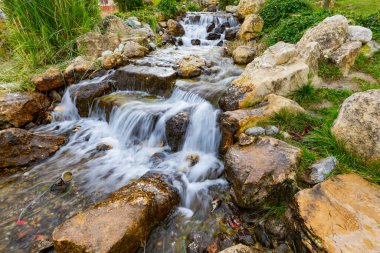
(135, 129)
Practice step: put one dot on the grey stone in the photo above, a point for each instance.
(271, 130)
(319, 170)
(255, 131)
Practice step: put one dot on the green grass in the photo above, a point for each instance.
(369, 65)
(44, 31)
(363, 7)
(329, 71)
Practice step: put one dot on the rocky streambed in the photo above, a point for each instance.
(158, 167)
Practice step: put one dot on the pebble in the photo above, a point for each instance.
(255, 131)
(271, 130)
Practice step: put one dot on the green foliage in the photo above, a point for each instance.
(372, 22)
(146, 15)
(292, 29)
(44, 31)
(168, 7)
(192, 6)
(224, 3)
(329, 71)
(276, 10)
(129, 5)
(369, 65)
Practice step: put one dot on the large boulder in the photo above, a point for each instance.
(79, 69)
(134, 50)
(120, 223)
(243, 54)
(175, 129)
(174, 28)
(311, 54)
(246, 7)
(341, 214)
(331, 33)
(51, 79)
(262, 173)
(233, 123)
(359, 33)
(154, 80)
(21, 108)
(252, 25)
(358, 125)
(20, 147)
(191, 66)
(86, 92)
(345, 56)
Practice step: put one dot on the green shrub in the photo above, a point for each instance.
(168, 7)
(223, 3)
(129, 5)
(329, 71)
(192, 6)
(292, 29)
(276, 10)
(44, 31)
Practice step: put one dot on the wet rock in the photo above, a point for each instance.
(86, 93)
(331, 33)
(20, 108)
(319, 170)
(134, 50)
(235, 122)
(156, 81)
(20, 147)
(246, 7)
(245, 238)
(79, 69)
(240, 248)
(220, 43)
(245, 140)
(180, 42)
(358, 125)
(282, 248)
(175, 129)
(175, 28)
(192, 159)
(157, 158)
(198, 242)
(195, 42)
(263, 172)
(113, 61)
(346, 55)
(243, 54)
(340, 214)
(55, 96)
(231, 9)
(42, 246)
(210, 27)
(252, 25)
(122, 221)
(191, 66)
(262, 237)
(276, 227)
(277, 71)
(169, 39)
(49, 80)
(255, 131)
(213, 36)
(103, 147)
(359, 33)
(231, 33)
(271, 130)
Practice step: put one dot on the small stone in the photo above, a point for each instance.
(245, 238)
(240, 248)
(245, 140)
(255, 131)
(103, 147)
(107, 52)
(195, 42)
(271, 130)
(210, 27)
(286, 135)
(319, 170)
(282, 248)
(213, 36)
(192, 159)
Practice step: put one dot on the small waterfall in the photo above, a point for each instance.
(201, 27)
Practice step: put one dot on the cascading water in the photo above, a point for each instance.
(136, 130)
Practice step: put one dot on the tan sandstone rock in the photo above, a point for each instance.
(122, 222)
(243, 54)
(341, 214)
(252, 25)
(240, 248)
(20, 147)
(345, 56)
(49, 80)
(19, 108)
(246, 7)
(358, 125)
(112, 61)
(174, 28)
(134, 50)
(261, 173)
(79, 69)
(191, 66)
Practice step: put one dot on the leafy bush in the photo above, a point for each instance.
(44, 31)
(192, 6)
(276, 10)
(292, 29)
(168, 7)
(129, 5)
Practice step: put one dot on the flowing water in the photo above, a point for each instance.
(135, 129)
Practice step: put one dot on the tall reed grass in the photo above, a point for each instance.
(44, 31)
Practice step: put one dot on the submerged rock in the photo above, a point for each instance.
(341, 214)
(261, 173)
(319, 170)
(175, 129)
(51, 79)
(358, 125)
(19, 147)
(20, 108)
(120, 223)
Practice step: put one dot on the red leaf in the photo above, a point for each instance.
(21, 222)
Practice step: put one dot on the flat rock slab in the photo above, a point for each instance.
(20, 147)
(154, 80)
(341, 214)
(122, 222)
(19, 108)
(261, 172)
